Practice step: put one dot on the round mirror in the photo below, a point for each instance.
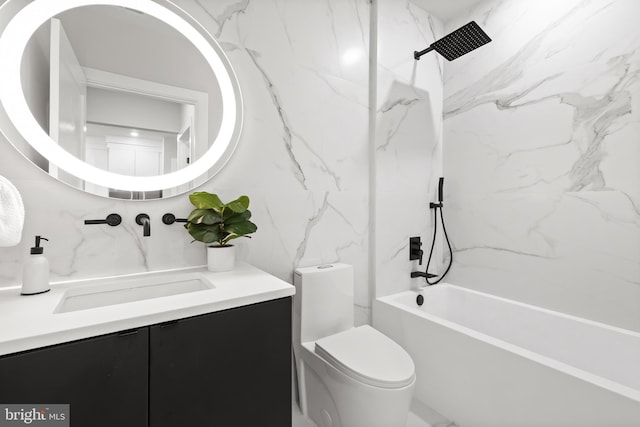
(128, 99)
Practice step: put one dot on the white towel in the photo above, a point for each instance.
(11, 214)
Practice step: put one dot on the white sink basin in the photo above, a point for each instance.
(121, 291)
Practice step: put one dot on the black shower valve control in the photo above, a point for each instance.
(415, 249)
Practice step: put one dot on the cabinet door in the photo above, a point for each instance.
(230, 368)
(104, 379)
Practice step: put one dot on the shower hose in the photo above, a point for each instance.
(437, 206)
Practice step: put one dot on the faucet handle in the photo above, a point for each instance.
(112, 219)
(170, 218)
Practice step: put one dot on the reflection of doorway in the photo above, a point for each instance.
(127, 101)
(184, 148)
(128, 151)
(67, 100)
(135, 156)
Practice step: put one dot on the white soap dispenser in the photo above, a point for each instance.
(35, 273)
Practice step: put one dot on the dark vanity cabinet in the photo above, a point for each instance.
(103, 379)
(228, 368)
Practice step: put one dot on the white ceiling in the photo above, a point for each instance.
(446, 9)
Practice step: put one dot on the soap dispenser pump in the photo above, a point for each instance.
(35, 273)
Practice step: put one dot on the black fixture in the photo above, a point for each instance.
(415, 274)
(458, 43)
(436, 206)
(112, 219)
(170, 218)
(440, 189)
(143, 220)
(415, 251)
(419, 300)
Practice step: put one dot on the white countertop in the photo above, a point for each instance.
(28, 322)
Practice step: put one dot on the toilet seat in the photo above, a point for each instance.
(368, 356)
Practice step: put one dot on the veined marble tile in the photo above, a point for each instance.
(541, 130)
(408, 142)
(330, 37)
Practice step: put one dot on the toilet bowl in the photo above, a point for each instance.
(347, 376)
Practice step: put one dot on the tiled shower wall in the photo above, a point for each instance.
(302, 158)
(408, 141)
(542, 156)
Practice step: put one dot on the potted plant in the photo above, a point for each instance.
(215, 222)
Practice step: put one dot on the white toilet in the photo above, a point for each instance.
(347, 376)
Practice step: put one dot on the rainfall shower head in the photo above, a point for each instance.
(461, 41)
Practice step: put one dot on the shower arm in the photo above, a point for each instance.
(417, 55)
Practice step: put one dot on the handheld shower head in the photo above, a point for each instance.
(458, 43)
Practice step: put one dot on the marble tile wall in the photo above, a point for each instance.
(408, 141)
(542, 156)
(303, 156)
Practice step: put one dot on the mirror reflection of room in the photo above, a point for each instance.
(122, 91)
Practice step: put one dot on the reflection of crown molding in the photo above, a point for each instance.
(113, 81)
(162, 132)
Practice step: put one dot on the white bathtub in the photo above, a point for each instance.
(485, 361)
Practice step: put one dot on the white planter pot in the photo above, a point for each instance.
(221, 258)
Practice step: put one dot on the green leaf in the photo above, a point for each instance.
(206, 233)
(241, 228)
(204, 216)
(237, 217)
(233, 236)
(227, 213)
(204, 200)
(239, 205)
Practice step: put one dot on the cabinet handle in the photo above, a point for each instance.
(129, 332)
(169, 323)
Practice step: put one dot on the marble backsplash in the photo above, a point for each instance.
(542, 156)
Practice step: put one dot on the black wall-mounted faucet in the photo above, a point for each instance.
(416, 252)
(143, 220)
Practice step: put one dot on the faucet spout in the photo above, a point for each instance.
(143, 220)
(421, 274)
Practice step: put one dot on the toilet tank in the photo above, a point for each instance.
(323, 301)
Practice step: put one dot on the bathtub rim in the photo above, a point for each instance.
(608, 384)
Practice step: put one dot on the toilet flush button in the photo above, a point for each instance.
(326, 419)
(322, 267)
